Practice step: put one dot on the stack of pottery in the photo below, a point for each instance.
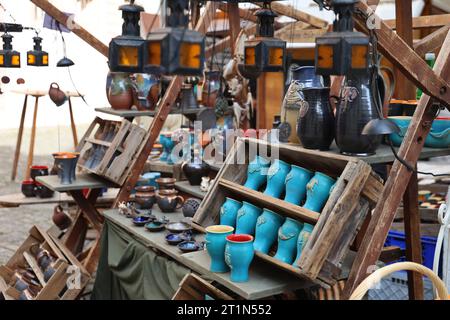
(32, 188)
(65, 166)
(168, 200)
(302, 77)
(166, 183)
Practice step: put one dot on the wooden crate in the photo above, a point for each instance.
(192, 287)
(356, 191)
(56, 287)
(114, 144)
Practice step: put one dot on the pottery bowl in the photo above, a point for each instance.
(177, 227)
(141, 220)
(189, 246)
(176, 238)
(166, 183)
(28, 188)
(36, 171)
(154, 226)
(42, 191)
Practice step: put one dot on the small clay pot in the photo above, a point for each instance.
(37, 171)
(195, 171)
(168, 200)
(60, 218)
(42, 191)
(28, 188)
(145, 196)
(166, 183)
(190, 207)
(56, 94)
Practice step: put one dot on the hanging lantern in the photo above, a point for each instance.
(265, 53)
(343, 50)
(37, 57)
(9, 58)
(126, 52)
(175, 50)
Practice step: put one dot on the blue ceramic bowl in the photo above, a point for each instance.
(154, 226)
(141, 220)
(439, 136)
(188, 246)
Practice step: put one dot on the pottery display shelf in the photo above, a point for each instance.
(186, 188)
(155, 165)
(263, 282)
(356, 190)
(76, 234)
(126, 113)
(37, 94)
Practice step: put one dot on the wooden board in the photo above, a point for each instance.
(185, 187)
(263, 282)
(125, 113)
(83, 181)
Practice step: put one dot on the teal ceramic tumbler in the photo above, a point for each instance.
(246, 218)
(239, 254)
(216, 239)
(257, 173)
(318, 191)
(229, 211)
(266, 231)
(296, 182)
(276, 178)
(303, 238)
(287, 240)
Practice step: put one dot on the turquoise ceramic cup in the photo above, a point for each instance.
(257, 173)
(276, 177)
(266, 232)
(296, 182)
(246, 218)
(229, 211)
(302, 240)
(318, 191)
(239, 254)
(287, 240)
(164, 154)
(216, 239)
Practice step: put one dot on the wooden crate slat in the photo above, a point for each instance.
(36, 269)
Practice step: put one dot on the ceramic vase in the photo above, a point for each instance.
(211, 88)
(296, 182)
(239, 254)
(246, 218)
(302, 239)
(287, 240)
(146, 86)
(257, 173)
(266, 231)
(276, 177)
(302, 77)
(57, 95)
(194, 171)
(318, 191)
(315, 123)
(356, 108)
(120, 94)
(229, 211)
(65, 165)
(216, 239)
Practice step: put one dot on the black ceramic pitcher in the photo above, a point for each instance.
(315, 123)
(355, 109)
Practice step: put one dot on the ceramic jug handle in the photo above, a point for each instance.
(441, 135)
(54, 85)
(180, 201)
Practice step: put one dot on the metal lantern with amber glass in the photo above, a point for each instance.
(9, 58)
(343, 50)
(37, 57)
(175, 50)
(265, 53)
(126, 52)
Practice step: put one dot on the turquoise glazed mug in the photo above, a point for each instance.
(302, 239)
(266, 231)
(296, 182)
(163, 140)
(318, 191)
(216, 239)
(257, 173)
(287, 240)
(276, 177)
(246, 218)
(229, 211)
(239, 255)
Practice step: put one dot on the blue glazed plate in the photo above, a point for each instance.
(141, 220)
(188, 246)
(154, 226)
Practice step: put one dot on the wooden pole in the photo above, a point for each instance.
(32, 140)
(19, 139)
(63, 19)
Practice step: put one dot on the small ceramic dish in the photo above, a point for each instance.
(189, 246)
(177, 227)
(154, 226)
(175, 238)
(142, 220)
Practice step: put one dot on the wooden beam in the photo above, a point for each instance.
(63, 19)
(235, 22)
(434, 21)
(404, 58)
(290, 11)
(161, 116)
(431, 42)
(384, 213)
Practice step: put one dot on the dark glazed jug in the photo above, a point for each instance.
(356, 108)
(315, 124)
(56, 94)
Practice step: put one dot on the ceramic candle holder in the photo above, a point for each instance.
(266, 232)
(257, 173)
(318, 191)
(239, 254)
(296, 182)
(276, 178)
(302, 240)
(246, 218)
(229, 211)
(216, 239)
(287, 240)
